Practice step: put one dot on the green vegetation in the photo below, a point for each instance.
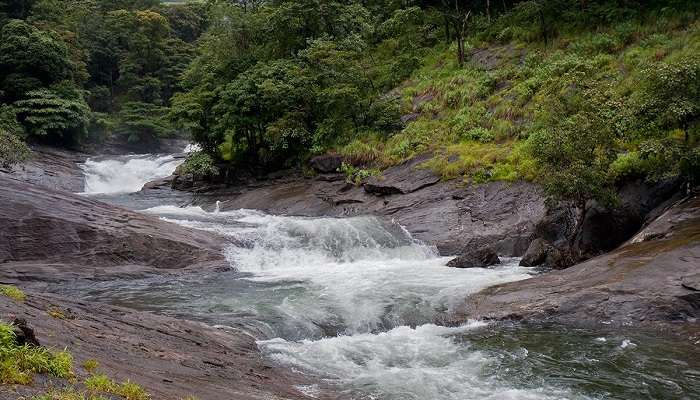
(18, 364)
(80, 70)
(12, 292)
(126, 390)
(578, 95)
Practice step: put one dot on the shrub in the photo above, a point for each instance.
(480, 135)
(357, 175)
(12, 149)
(199, 164)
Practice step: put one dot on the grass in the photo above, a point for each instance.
(127, 390)
(18, 364)
(91, 365)
(67, 394)
(477, 121)
(12, 292)
(55, 312)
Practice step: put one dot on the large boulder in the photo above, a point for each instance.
(326, 163)
(402, 179)
(653, 281)
(51, 235)
(536, 253)
(481, 258)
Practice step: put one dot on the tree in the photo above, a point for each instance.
(30, 59)
(669, 97)
(264, 111)
(143, 122)
(59, 114)
(575, 148)
(12, 148)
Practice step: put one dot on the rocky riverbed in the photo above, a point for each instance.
(53, 238)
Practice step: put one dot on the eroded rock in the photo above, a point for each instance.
(402, 179)
(52, 235)
(480, 258)
(536, 253)
(24, 335)
(641, 282)
(326, 163)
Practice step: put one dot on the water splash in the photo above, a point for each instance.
(126, 174)
(359, 274)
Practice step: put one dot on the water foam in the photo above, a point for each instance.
(126, 174)
(361, 273)
(426, 362)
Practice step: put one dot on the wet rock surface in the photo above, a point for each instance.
(456, 219)
(52, 168)
(51, 235)
(326, 163)
(536, 253)
(481, 258)
(640, 283)
(170, 358)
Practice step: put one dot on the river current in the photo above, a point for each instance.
(358, 304)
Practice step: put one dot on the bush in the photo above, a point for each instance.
(199, 164)
(12, 150)
(479, 134)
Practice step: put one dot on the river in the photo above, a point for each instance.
(358, 304)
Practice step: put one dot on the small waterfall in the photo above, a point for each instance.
(128, 174)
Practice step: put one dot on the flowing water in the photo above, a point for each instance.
(358, 303)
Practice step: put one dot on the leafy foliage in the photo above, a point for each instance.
(143, 122)
(199, 164)
(54, 112)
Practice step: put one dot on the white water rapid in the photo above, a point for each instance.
(356, 302)
(128, 173)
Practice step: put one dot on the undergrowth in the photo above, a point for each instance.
(477, 119)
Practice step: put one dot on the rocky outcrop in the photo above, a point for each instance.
(170, 358)
(52, 168)
(448, 215)
(536, 253)
(481, 258)
(644, 282)
(402, 179)
(51, 235)
(326, 163)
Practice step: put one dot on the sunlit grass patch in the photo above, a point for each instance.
(18, 364)
(12, 292)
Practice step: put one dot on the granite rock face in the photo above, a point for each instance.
(52, 235)
(650, 280)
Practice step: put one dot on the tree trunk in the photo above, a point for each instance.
(581, 206)
(543, 25)
(447, 30)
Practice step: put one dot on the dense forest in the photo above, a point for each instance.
(576, 94)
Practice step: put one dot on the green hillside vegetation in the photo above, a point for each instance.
(79, 70)
(576, 95)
